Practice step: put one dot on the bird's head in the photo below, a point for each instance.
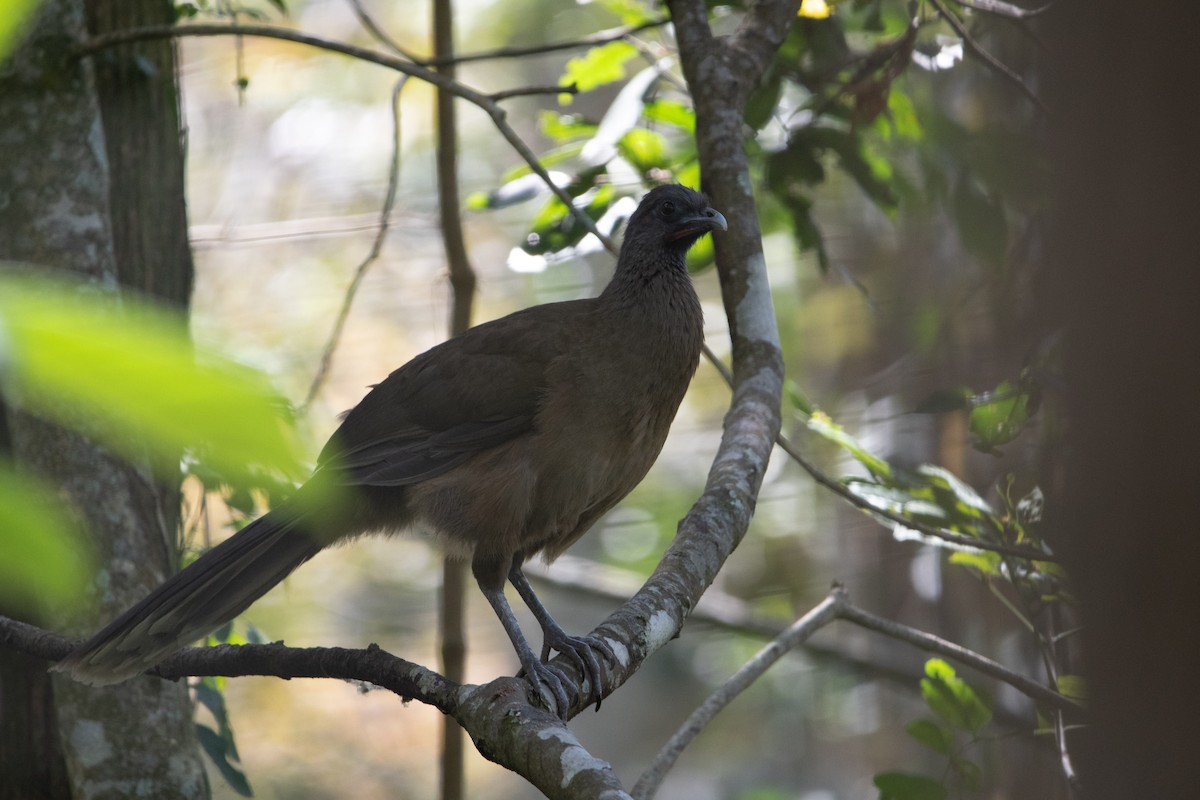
(672, 217)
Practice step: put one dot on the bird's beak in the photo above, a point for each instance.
(698, 224)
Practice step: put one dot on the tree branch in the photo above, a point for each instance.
(824, 613)
(993, 63)
(1002, 9)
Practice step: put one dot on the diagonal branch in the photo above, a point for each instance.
(993, 63)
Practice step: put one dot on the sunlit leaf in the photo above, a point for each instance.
(902, 786)
(565, 127)
(600, 65)
(672, 113)
(43, 564)
(1000, 416)
(952, 699)
(821, 423)
(126, 373)
(631, 12)
(645, 150)
(621, 117)
(987, 563)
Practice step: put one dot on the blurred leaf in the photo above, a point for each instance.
(763, 100)
(555, 228)
(946, 481)
(798, 399)
(215, 748)
(565, 127)
(952, 699)
(598, 66)
(901, 786)
(12, 23)
(932, 735)
(43, 564)
(127, 374)
(621, 117)
(1073, 686)
(821, 423)
(999, 416)
(631, 12)
(987, 563)
(219, 744)
(672, 113)
(644, 149)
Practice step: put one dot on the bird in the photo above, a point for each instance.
(505, 442)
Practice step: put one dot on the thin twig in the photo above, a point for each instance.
(484, 102)
(597, 38)
(380, 35)
(1002, 9)
(935, 644)
(360, 272)
(523, 91)
(824, 613)
(995, 64)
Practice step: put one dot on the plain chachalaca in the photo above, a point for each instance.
(507, 441)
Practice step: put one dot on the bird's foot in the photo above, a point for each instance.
(550, 683)
(582, 652)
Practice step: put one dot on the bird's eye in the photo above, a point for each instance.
(667, 208)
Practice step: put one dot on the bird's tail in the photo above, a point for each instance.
(211, 591)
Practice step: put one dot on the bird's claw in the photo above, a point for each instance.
(550, 682)
(582, 652)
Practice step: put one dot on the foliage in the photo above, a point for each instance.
(125, 373)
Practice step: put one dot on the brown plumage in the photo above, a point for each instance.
(507, 441)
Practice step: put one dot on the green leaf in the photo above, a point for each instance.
(645, 150)
(902, 786)
(671, 112)
(952, 699)
(1073, 686)
(932, 735)
(565, 127)
(821, 423)
(12, 23)
(631, 12)
(127, 374)
(999, 416)
(987, 563)
(43, 564)
(598, 66)
(214, 747)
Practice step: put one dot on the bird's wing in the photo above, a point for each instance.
(473, 392)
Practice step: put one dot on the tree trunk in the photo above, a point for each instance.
(1129, 287)
(92, 185)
